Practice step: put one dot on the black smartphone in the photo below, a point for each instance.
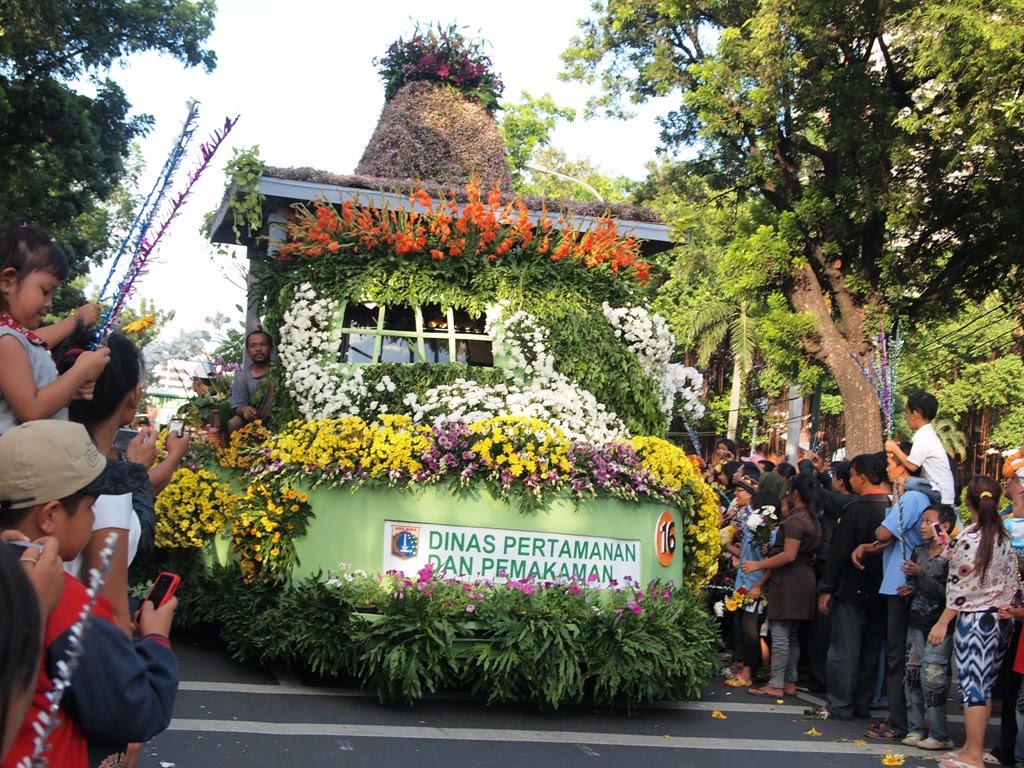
(122, 438)
(176, 427)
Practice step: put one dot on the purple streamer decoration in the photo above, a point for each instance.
(148, 246)
(140, 225)
(881, 374)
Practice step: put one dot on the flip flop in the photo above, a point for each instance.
(886, 733)
(762, 691)
(738, 682)
(954, 763)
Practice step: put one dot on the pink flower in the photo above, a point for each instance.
(426, 573)
(635, 608)
(470, 608)
(592, 577)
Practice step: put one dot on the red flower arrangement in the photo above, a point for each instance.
(442, 55)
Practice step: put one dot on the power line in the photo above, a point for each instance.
(935, 342)
(923, 375)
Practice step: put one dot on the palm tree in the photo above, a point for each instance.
(707, 326)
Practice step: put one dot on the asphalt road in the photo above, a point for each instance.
(234, 714)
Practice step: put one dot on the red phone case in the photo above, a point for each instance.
(163, 590)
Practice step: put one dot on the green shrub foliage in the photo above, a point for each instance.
(523, 642)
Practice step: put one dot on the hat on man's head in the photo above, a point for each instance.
(43, 461)
(773, 483)
(747, 483)
(1014, 465)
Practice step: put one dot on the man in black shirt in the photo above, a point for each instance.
(851, 596)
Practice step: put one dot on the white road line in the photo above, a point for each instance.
(270, 689)
(726, 741)
(587, 750)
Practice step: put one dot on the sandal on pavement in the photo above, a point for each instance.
(955, 763)
(886, 733)
(738, 682)
(763, 691)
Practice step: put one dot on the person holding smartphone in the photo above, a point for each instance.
(115, 402)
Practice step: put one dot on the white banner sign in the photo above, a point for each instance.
(498, 554)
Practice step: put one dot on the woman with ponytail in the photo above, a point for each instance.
(115, 402)
(982, 577)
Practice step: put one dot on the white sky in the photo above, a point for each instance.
(301, 76)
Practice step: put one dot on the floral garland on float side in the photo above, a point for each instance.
(648, 336)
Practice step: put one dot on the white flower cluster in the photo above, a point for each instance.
(308, 350)
(648, 336)
(763, 516)
(325, 388)
(534, 388)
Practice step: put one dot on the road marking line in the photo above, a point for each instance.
(587, 750)
(692, 706)
(728, 741)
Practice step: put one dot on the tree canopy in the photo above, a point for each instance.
(884, 141)
(65, 152)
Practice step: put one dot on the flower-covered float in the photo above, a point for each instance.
(466, 441)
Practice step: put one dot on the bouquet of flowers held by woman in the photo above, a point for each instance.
(734, 602)
(761, 524)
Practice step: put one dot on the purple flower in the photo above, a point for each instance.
(634, 607)
(470, 608)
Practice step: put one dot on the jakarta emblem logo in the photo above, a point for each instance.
(405, 541)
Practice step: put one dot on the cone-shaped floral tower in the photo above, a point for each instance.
(438, 122)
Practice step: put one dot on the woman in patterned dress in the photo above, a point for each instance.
(982, 577)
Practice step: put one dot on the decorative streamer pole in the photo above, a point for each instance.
(149, 244)
(140, 226)
(881, 374)
(47, 721)
(693, 437)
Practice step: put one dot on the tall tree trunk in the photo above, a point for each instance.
(734, 398)
(835, 345)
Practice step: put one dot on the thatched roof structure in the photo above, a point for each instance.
(432, 131)
(403, 186)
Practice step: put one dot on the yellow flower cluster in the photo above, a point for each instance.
(193, 507)
(673, 468)
(263, 531)
(522, 446)
(324, 443)
(244, 447)
(394, 447)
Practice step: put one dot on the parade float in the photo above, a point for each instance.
(465, 480)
